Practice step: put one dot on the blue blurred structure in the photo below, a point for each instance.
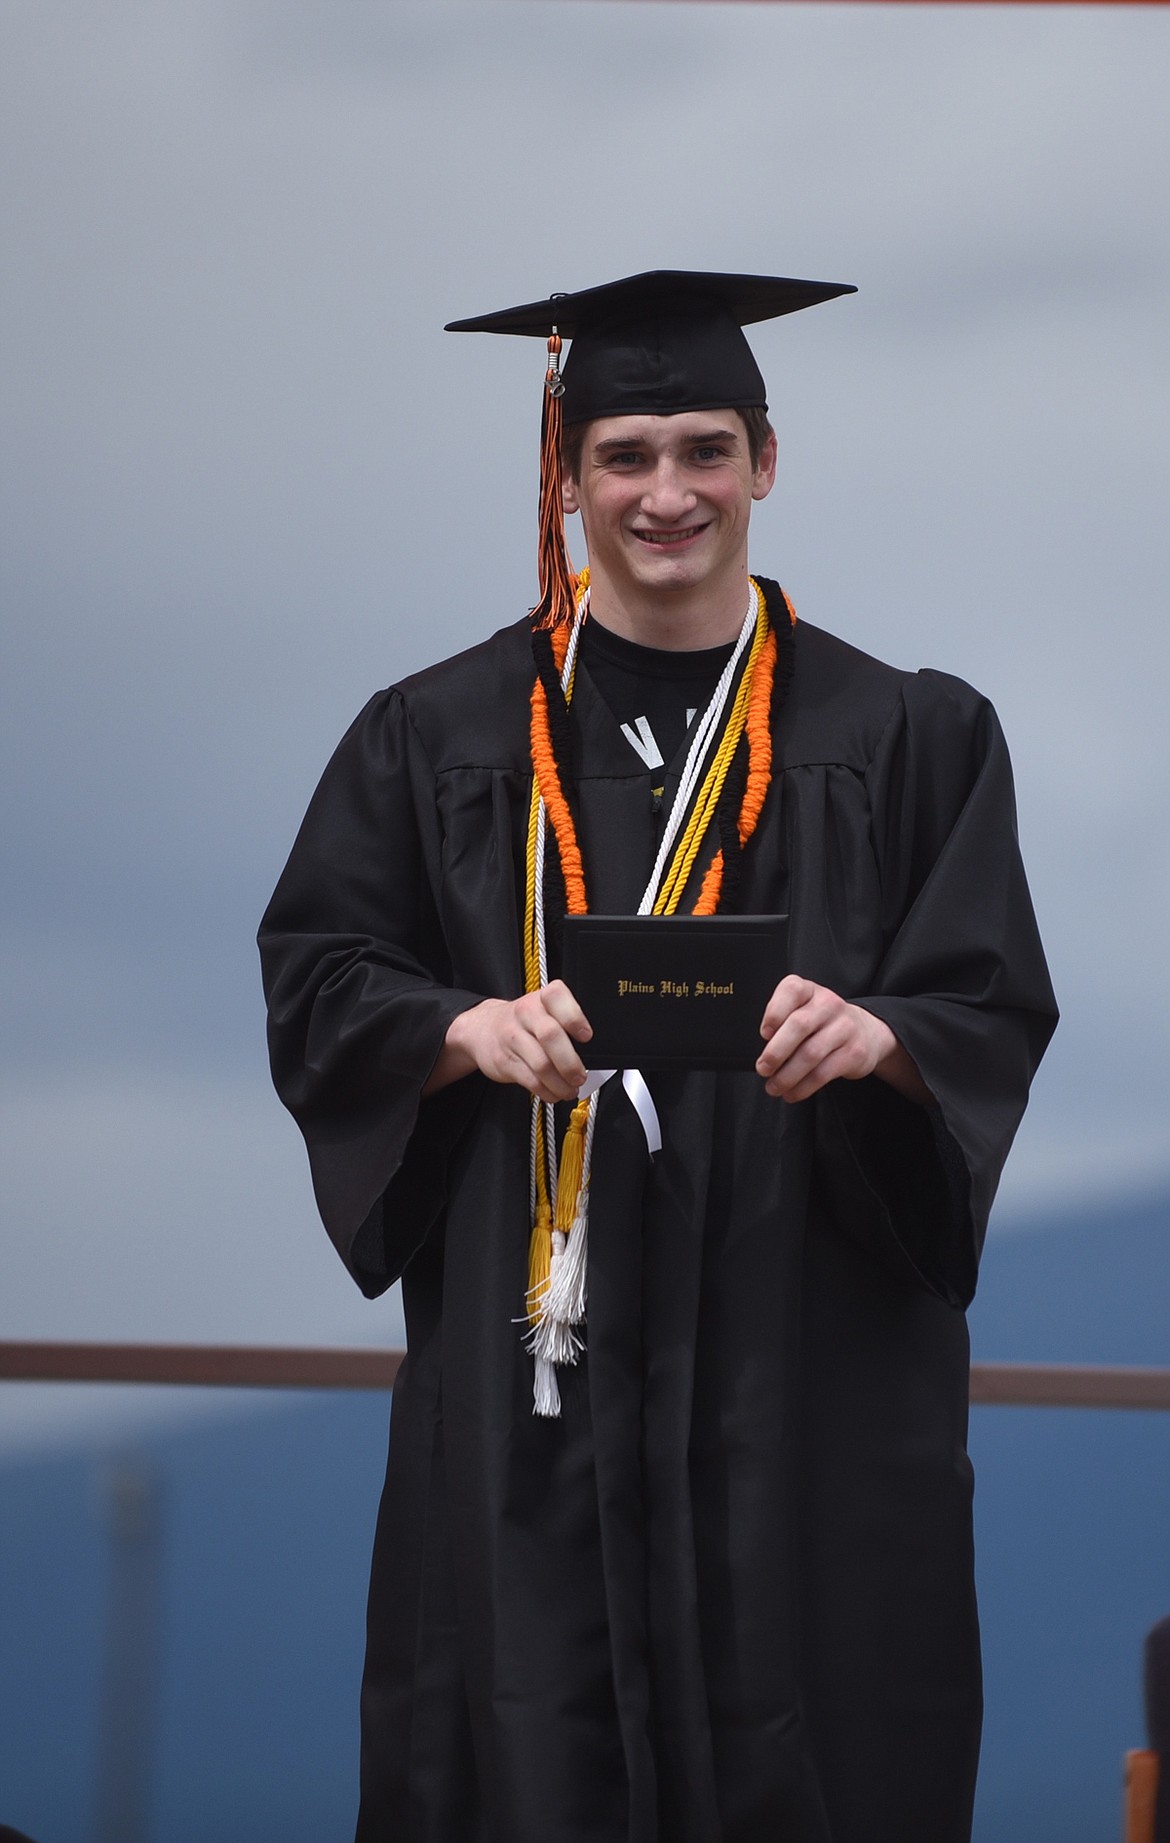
(268, 1530)
(264, 1523)
(132, 1654)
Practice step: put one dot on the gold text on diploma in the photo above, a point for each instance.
(674, 988)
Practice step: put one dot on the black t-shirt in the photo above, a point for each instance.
(654, 695)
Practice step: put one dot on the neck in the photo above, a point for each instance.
(673, 620)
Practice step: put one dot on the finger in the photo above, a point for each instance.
(848, 1044)
(833, 1068)
(564, 1065)
(558, 1000)
(529, 1067)
(546, 1049)
(833, 1040)
(790, 994)
(806, 1022)
(555, 1056)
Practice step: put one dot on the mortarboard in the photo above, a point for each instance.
(658, 343)
(651, 344)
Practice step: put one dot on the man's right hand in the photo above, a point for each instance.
(527, 1041)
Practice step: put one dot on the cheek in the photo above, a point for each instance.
(608, 504)
(728, 503)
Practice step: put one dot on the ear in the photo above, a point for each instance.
(570, 499)
(764, 476)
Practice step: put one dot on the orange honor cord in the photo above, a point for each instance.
(548, 781)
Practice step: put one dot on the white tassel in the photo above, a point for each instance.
(568, 1287)
(556, 1262)
(546, 1397)
(553, 1339)
(556, 1343)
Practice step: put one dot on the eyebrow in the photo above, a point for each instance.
(619, 445)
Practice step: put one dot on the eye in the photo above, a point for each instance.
(710, 451)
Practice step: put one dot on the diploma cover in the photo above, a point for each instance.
(673, 991)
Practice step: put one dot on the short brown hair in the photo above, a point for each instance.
(758, 428)
(755, 421)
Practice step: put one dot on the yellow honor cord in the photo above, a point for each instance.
(707, 799)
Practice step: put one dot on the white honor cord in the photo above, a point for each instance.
(707, 726)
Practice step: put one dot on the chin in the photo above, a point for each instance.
(687, 571)
(674, 576)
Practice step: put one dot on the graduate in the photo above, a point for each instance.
(675, 1543)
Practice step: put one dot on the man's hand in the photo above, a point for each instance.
(525, 1041)
(813, 1036)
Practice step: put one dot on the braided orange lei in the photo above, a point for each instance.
(548, 781)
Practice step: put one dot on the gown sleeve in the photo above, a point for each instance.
(360, 998)
(962, 983)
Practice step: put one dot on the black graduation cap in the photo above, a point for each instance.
(661, 342)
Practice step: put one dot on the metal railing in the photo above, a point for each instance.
(269, 1366)
(232, 1366)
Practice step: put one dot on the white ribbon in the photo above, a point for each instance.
(640, 1099)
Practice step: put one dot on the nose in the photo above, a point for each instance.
(667, 498)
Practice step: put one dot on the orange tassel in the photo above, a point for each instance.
(555, 608)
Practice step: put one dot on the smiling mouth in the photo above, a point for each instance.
(668, 540)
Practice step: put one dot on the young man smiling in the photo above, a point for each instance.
(718, 1587)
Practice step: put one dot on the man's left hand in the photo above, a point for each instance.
(813, 1036)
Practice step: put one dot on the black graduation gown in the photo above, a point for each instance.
(728, 1596)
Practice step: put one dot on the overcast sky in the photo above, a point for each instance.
(247, 480)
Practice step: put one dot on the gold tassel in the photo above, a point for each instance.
(539, 1261)
(571, 1168)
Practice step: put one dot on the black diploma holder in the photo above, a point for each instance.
(673, 991)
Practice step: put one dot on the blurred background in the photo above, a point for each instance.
(247, 480)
